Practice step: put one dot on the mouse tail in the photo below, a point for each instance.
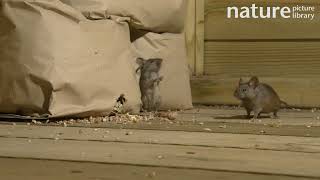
(284, 104)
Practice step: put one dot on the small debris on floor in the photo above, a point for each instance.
(151, 175)
(190, 152)
(262, 132)
(201, 123)
(160, 157)
(223, 127)
(207, 129)
(36, 122)
(162, 117)
(129, 133)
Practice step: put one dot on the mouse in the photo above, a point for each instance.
(150, 83)
(258, 97)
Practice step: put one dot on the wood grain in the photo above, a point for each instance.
(162, 137)
(267, 59)
(15, 169)
(298, 92)
(200, 5)
(206, 158)
(190, 32)
(218, 26)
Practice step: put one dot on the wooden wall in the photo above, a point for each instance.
(283, 52)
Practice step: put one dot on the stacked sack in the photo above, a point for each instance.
(156, 32)
(68, 58)
(54, 61)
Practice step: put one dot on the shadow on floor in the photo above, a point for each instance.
(244, 117)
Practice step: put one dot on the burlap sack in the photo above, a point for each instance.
(51, 62)
(153, 15)
(175, 88)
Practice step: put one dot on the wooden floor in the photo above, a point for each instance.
(204, 143)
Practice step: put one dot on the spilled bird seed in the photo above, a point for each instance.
(207, 129)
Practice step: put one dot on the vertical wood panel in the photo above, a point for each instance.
(219, 27)
(200, 37)
(190, 31)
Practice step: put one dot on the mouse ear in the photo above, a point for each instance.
(140, 61)
(159, 62)
(254, 81)
(241, 81)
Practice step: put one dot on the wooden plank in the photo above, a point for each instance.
(298, 92)
(219, 159)
(200, 37)
(190, 31)
(219, 27)
(268, 59)
(289, 124)
(15, 169)
(291, 67)
(217, 140)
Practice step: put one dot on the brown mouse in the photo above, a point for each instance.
(258, 97)
(149, 83)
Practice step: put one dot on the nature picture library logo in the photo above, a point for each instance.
(256, 12)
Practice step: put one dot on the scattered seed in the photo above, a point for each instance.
(151, 175)
(223, 127)
(262, 132)
(207, 129)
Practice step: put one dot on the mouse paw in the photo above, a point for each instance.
(252, 120)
